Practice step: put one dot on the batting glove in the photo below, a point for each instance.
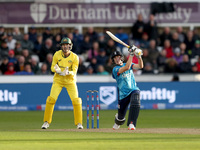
(138, 53)
(132, 50)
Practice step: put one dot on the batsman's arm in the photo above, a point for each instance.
(127, 66)
(140, 64)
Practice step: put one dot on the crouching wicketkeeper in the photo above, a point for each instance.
(65, 65)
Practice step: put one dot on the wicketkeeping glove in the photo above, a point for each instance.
(58, 70)
(132, 50)
(138, 53)
(66, 71)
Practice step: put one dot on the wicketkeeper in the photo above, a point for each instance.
(129, 93)
(65, 65)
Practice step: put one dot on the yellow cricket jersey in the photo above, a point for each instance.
(72, 62)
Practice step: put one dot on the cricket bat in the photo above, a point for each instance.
(116, 39)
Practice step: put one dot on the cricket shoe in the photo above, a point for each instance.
(79, 126)
(116, 127)
(45, 125)
(131, 127)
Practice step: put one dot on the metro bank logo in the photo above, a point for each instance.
(38, 12)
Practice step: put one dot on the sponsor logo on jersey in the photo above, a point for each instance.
(69, 61)
(126, 75)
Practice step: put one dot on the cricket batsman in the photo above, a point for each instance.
(65, 65)
(129, 93)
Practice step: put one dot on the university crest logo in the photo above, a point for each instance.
(38, 12)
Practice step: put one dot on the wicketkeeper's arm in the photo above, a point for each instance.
(74, 67)
(55, 67)
(54, 62)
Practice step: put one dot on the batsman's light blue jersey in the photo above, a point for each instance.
(125, 81)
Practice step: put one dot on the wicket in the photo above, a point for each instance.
(91, 94)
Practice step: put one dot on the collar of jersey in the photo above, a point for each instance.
(119, 65)
(64, 55)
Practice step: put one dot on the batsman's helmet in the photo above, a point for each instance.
(66, 40)
(117, 53)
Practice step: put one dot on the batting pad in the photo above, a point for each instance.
(77, 104)
(50, 103)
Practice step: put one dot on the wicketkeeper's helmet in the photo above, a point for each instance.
(117, 53)
(66, 40)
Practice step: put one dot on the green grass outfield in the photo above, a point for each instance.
(156, 130)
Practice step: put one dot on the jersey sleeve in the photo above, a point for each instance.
(54, 62)
(115, 72)
(75, 66)
(132, 65)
